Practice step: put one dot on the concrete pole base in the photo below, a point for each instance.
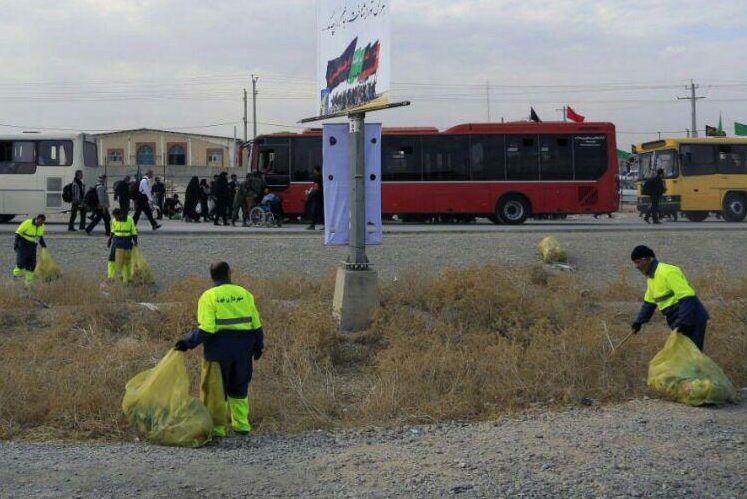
(356, 297)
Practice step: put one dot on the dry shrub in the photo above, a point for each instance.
(465, 344)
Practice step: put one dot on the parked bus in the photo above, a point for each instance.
(506, 172)
(702, 176)
(35, 167)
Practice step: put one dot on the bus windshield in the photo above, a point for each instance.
(650, 162)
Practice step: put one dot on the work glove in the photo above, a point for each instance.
(636, 326)
(109, 243)
(134, 240)
(181, 346)
(257, 353)
(685, 329)
(42, 243)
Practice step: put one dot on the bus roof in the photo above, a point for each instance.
(512, 127)
(40, 136)
(674, 142)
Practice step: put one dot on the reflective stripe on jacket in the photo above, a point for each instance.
(124, 229)
(227, 307)
(666, 286)
(29, 231)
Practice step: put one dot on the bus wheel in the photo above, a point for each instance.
(735, 207)
(513, 209)
(6, 218)
(696, 216)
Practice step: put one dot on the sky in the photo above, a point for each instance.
(116, 64)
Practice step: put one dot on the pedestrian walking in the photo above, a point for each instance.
(122, 239)
(314, 208)
(204, 199)
(241, 202)
(159, 195)
(101, 210)
(28, 233)
(668, 290)
(122, 193)
(192, 200)
(78, 206)
(655, 189)
(222, 198)
(144, 200)
(230, 329)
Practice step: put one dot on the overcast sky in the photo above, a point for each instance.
(113, 64)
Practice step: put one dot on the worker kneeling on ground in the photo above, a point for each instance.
(668, 290)
(121, 241)
(230, 328)
(27, 235)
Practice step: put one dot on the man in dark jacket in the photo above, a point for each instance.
(222, 198)
(102, 207)
(159, 195)
(79, 191)
(122, 193)
(315, 200)
(655, 189)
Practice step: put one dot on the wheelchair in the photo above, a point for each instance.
(261, 216)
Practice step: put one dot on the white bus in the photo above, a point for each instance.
(35, 167)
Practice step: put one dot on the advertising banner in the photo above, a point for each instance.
(336, 173)
(353, 53)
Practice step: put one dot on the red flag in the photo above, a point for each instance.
(573, 115)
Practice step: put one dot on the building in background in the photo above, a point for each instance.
(173, 156)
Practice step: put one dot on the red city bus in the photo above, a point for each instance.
(505, 171)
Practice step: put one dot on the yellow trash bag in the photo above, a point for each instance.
(46, 268)
(158, 405)
(139, 268)
(213, 396)
(551, 250)
(681, 372)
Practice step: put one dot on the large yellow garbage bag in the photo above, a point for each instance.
(681, 372)
(46, 268)
(551, 250)
(139, 268)
(212, 394)
(158, 404)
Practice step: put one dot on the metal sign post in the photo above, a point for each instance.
(357, 259)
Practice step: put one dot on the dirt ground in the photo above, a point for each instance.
(641, 448)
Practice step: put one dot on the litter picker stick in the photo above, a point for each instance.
(625, 340)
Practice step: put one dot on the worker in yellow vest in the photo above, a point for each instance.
(668, 290)
(28, 233)
(121, 241)
(231, 331)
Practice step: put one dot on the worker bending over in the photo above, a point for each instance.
(28, 233)
(121, 241)
(668, 290)
(230, 328)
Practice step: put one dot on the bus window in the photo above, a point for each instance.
(589, 156)
(55, 153)
(487, 161)
(445, 157)
(17, 157)
(273, 158)
(91, 155)
(665, 161)
(556, 159)
(522, 161)
(306, 154)
(698, 159)
(646, 165)
(400, 158)
(731, 159)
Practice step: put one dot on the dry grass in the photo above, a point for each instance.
(465, 344)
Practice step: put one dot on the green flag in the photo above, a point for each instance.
(739, 128)
(720, 126)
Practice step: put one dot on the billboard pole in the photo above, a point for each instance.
(357, 259)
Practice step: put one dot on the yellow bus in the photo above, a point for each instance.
(702, 176)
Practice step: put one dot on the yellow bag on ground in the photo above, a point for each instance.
(122, 257)
(139, 268)
(212, 394)
(681, 372)
(158, 404)
(46, 268)
(551, 250)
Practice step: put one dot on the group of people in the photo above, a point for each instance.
(226, 199)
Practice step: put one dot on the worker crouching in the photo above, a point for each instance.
(28, 233)
(121, 241)
(668, 290)
(231, 332)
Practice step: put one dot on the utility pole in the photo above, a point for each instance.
(693, 100)
(254, 106)
(245, 115)
(487, 97)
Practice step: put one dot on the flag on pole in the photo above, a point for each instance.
(533, 116)
(720, 126)
(712, 131)
(740, 128)
(573, 115)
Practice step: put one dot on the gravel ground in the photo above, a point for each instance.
(599, 255)
(642, 448)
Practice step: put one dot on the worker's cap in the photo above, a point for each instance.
(642, 251)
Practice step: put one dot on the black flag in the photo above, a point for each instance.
(712, 131)
(533, 116)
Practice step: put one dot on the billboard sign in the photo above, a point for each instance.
(353, 54)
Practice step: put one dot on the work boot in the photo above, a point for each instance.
(240, 415)
(156, 226)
